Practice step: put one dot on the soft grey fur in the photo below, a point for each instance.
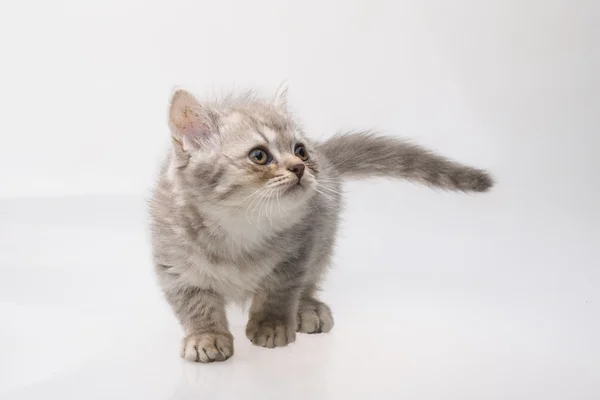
(225, 229)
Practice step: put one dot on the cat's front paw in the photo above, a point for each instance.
(270, 332)
(314, 317)
(207, 347)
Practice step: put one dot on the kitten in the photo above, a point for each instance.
(247, 207)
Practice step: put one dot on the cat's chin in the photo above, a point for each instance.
(294, 189)
(301, 189)
(297, 195)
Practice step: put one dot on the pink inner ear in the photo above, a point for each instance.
(193, 124)
(192, 137)
(187, 120)
(190, 127)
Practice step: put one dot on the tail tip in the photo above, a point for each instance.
(482, 182)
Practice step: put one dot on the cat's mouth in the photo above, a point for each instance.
(295, 187)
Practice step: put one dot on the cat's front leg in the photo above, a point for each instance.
(272, 321)
(202, 315)
(274, 308)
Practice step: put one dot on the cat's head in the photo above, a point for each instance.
(241, 153)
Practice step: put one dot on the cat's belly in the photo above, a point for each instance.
(236, 283)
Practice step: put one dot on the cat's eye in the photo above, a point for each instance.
(301, 152)
(259, 156)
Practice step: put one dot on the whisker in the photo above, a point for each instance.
(267, 201)
(269, 206)
(329, 187)
(278, 203)
(247, 198)
(262, 197)
(262, 203)
(327, 196)
(330, 190)
(328, 180)
(270, 203)
(249, 205)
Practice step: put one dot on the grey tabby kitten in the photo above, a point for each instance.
(247, 207)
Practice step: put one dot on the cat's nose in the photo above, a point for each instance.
(297, 169)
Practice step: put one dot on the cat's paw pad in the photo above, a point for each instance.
(207, 347)
(314, 317)
(270, 332)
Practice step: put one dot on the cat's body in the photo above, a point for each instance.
(247, 208)
(233, 253)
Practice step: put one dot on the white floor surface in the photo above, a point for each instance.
(435, 296)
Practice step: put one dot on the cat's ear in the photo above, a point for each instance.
(193, 125)
(280, 99)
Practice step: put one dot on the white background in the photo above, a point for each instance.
(435, 295)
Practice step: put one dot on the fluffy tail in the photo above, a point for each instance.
(364, 154)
